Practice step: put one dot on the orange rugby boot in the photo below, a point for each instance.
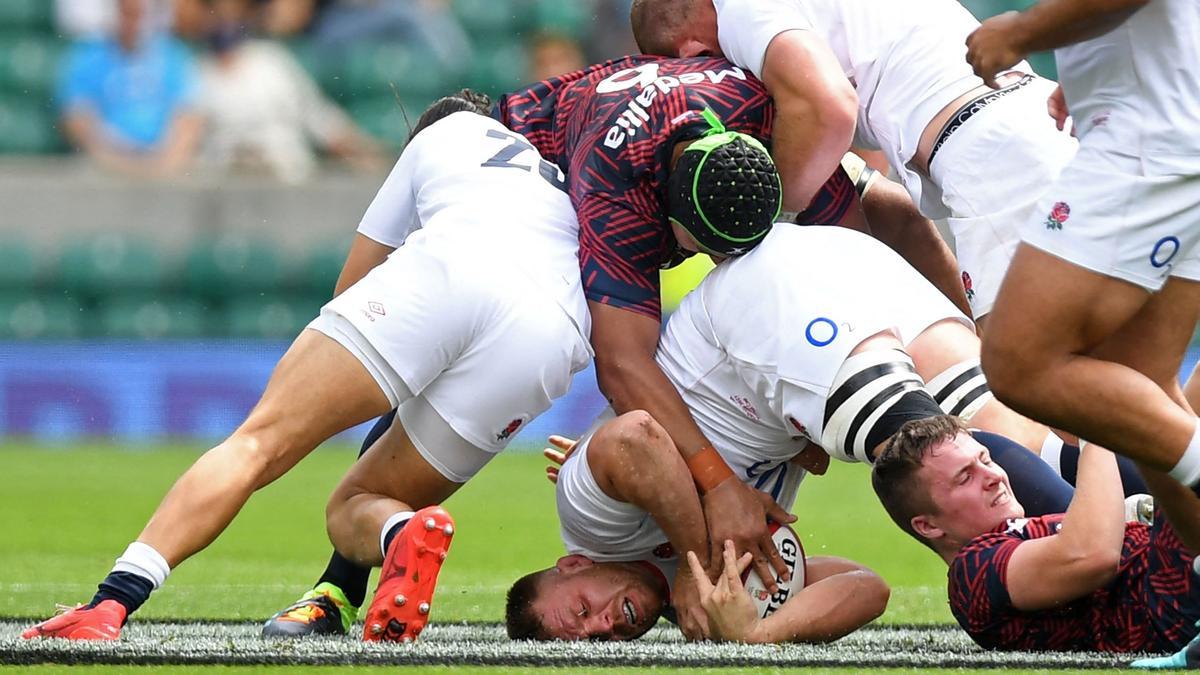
(400, 608)
(102, 622)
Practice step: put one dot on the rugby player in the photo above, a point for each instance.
(611, 127)
(829, 360)
(1116, 238)
(1083, 580)
(614, 128)
(625, 500)
(978, 157)
(485, 298)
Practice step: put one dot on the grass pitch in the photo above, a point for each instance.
(66, 514)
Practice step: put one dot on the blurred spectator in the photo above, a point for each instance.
(610, 35)
(262, 107)
(553, 54)
(429, 25)
(288, 18)
(97, 18)
(127, 98)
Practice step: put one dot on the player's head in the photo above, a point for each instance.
(578, 599)
(940, 485)
(675, 27)
(465, 100)
(723, 192)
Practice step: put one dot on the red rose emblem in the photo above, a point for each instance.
(1061, 212)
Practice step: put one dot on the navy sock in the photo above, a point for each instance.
(391, 533)
(1131, 480)
(348, 576)
(1034, 483)
(126, 588)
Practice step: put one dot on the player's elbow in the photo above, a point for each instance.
(618, 374)
(1104, 564)
(829, 113)
(1095, 566)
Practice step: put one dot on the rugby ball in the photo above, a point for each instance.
(793, 554)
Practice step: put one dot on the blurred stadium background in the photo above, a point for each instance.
(144, 309)
(137, 307)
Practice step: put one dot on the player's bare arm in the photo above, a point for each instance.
(839, 597)
(657, 486)
(626, 372)
(1003, 40)
(365, 255)
(815, 111)
(1085, 554)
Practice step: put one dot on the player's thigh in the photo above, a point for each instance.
(519, 362)
(318, 389)
(1048, 308)
(1155, 340)
(409, 462)
(410, 317)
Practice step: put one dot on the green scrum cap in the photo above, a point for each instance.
(724, 190)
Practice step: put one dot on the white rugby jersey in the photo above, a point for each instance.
(605, 530)
(1138, 87)
(753, 352)
(755, 348)
(468, 185)
(906, 59)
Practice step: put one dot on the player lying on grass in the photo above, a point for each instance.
(893, 76)
(1083, 580)
(826, 361)
(625, 501)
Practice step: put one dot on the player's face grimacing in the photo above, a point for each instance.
(582, 600)
(970, 491)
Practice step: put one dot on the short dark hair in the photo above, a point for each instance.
(894, 475)
(520, 620)
(656, 22)
(464, 100)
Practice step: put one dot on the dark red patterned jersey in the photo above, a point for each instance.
(1152, 604)
(611, 128)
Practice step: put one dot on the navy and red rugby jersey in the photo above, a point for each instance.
(611, 128)
(1145, 608)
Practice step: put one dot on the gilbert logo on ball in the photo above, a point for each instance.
(765, 602)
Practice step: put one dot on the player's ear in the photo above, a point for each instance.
(692, 47)
(926, 528)
(573, 563)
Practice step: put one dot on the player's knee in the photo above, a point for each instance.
(1006, 370)
(261, 448)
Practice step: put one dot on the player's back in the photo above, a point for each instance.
(907, 60)
(476, 189)
(754, 350)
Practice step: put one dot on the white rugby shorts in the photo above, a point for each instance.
(1108, 214)
(481, 344)
(992, 171)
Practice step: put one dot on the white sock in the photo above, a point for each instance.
(389, 524)
(142, 560)
(1187, 470)
(1052, 452)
